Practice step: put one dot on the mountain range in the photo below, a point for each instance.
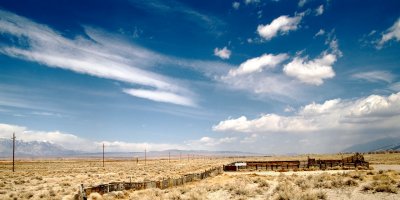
(33, 148)
(385, 144)
(48, 149)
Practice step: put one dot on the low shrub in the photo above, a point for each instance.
(385, 188)
(303, 184)
(380, 187)
(95, 196)
(263, 183)
(350, 182)
(370, 173)
(313, 196)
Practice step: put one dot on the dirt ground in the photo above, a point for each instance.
(336, 185)
(60, 179)
(57, 179)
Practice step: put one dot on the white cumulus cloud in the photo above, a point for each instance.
(311, 71)
(266, 123)
(223, 53)
(257, 64)
(281, 25)
(374, 112)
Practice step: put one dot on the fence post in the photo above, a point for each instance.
(82, 192)
(13, 166)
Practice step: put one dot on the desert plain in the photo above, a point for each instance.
(61, 178)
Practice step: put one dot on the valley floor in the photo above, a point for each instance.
(60, 179)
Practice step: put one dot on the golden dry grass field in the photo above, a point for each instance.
(60, 179)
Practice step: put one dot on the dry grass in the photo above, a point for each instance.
(57, 179)
(282, 187)
(60, 180)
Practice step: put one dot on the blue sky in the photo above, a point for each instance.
(269, 76)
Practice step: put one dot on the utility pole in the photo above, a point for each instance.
(13, 168)
(145, 156)
(103, 154)
(180, 156)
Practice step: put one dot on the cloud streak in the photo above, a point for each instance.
(319, 10)
(391, 33)
(207, 21)
(375, 76)
(97, 56)
(160, 96)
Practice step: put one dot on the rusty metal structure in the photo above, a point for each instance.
(351, 162)
(84, 192)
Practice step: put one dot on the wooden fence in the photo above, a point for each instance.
(84, 192)
(345, 163)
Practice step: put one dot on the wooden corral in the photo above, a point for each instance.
(163, 184)
(273, 165)
(346, 163)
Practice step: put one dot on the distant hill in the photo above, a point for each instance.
(173, 152)
(47, 149)
(385, 144)
(32, 148)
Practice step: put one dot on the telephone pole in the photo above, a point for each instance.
(13, 138)
(145, 156)
(103, 154)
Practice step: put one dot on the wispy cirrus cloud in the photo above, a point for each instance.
(301, 3)
(160, 96)
(320, 33)
(99, 56)
(375, 76)
(319, 10)
(252, 1)
(236, 5)
(391, 33)
(206, 21)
